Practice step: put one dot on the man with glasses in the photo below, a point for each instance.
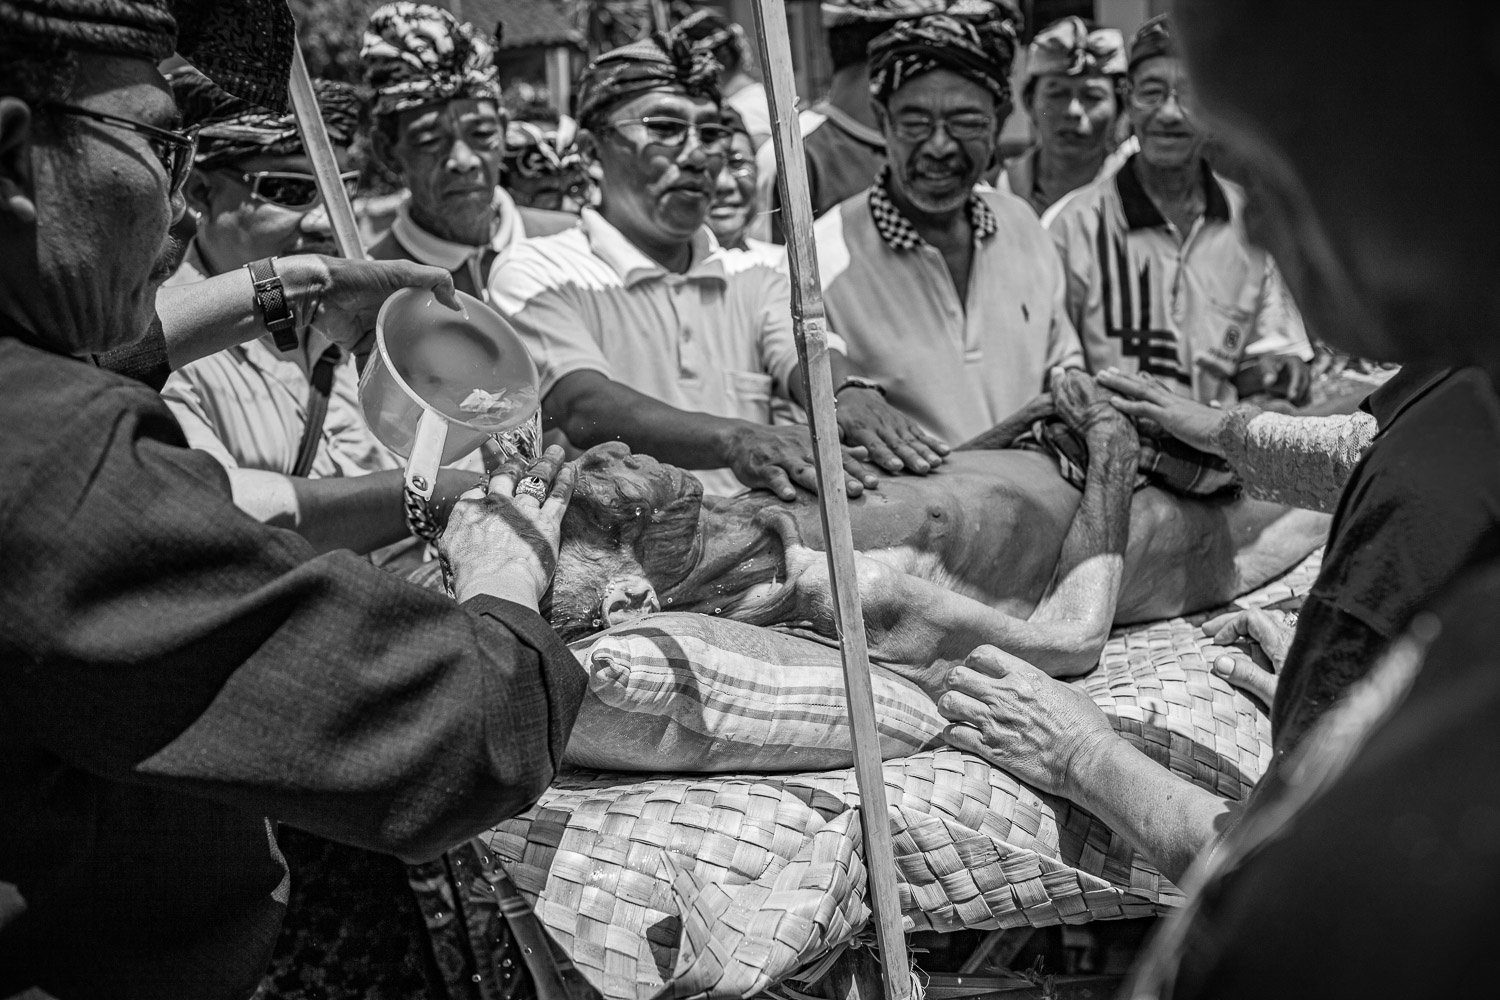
(438, 125)
(949, 297)
(285, 404)
(1160, 277)
(645, 330)
(735, 205)
(176, 677)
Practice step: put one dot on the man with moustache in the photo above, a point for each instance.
(439, 126)
(1072, 94)
(949, 297)
(172, 672)
(646, 331)
(1160, 277)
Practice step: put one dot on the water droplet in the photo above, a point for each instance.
(670, 600)
(476, 978)
(718, 611)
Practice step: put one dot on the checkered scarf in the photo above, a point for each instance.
(974, 38)
(898, 232)
(416, 54)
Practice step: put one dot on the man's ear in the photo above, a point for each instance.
(17, 181)
(199, 191)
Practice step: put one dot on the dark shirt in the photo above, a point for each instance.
(1373, 873)
(841, 163)
(172, 672)
(1421, 507)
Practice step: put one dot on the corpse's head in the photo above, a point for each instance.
(639, 536)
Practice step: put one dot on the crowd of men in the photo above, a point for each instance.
(204, 617)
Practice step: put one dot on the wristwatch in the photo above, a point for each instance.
(855, 382)
(270, 299)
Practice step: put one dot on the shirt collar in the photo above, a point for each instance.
(632, 265)
(1141, 212)
(898, 232)
(426, 248)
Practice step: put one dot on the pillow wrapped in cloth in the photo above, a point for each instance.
(689, 692)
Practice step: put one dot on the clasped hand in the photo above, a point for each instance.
(504, 545)
(341, 298)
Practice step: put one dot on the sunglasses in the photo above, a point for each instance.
(672, 133)
(173, 147)
(294, 191)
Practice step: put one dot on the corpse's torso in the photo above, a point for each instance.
(991, 524)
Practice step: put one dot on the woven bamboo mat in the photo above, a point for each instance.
(719, 886)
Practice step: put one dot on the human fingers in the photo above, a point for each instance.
(775, 479)
(1226, 627)
(1242, 672)
(562, 491)
(962, 707)
(878, 451)
(990, 661)
(1136, 387)
(503, 481)
(914, 460)
(1137, 409)
(963, 736)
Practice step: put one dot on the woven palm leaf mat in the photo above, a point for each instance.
(685, 886)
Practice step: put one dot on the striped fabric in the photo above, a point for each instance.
(689, 692)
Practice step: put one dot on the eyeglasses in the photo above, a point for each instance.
(1152, 96)
(672, 133)
(962, 127)
(294, 191)
(173, 147)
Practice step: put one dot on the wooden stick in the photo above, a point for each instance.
(812, 351)
(325, 163)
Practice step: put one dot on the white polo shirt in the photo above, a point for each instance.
(716, 339)
(247, 407)
(956, 367)
(1187, 308)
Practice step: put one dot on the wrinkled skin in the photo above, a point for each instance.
(640, 536)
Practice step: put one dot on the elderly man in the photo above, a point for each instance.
(438, 125)
(173, 672)
(285, 406)
(1160, 277)
(646, 331)
(1388, 780)
(1072, 94)
(948, 297)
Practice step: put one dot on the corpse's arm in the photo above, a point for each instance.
(920, 629)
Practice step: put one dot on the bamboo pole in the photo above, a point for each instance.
(812, 351)
(325, 163)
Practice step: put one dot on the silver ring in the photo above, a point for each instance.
(535, 487)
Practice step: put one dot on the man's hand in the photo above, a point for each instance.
(1077, 400)
(1143, 398)
(889, 437)
(781, 458)
(1266, 640)
(504, 545)
(342, 297)
(1039, 729)
(1281, 376)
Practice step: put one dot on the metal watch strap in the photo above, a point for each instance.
(270, 297)
(855, 382)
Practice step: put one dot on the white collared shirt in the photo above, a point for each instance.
(247, 407)
(426, 248)
(1186, 307)
(716, 339)
(956, 366)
